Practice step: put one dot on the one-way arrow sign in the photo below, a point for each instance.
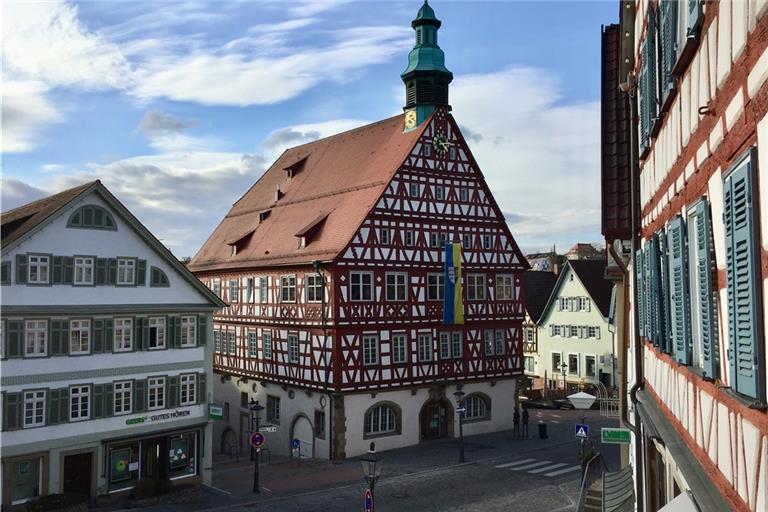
(582, 431)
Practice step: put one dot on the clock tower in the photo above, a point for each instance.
(426, 78)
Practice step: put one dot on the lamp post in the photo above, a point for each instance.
(460, 409)
(255, 409)
(582, 401)
(563, 368)
(372, 469)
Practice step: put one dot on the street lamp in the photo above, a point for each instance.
(459, 394)
(563, 368)
(582, 401)
(255, 409)
(372, 469)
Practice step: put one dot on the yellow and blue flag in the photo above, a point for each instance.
(453, 309)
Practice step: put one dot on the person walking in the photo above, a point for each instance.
(516, 421)
(525, 422)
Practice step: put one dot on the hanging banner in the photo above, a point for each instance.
(453, 308)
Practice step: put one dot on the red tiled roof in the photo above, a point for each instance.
(342, 175)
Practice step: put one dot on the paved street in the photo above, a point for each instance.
(501, 473)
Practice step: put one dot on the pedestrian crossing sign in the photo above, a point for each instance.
(582, 431)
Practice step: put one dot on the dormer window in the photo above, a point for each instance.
(264, 215)
(308, 232)
(278, 194)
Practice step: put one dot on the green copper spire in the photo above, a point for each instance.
(426, 78)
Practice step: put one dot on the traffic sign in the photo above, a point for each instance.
(461, 410)
(296, 442)
(269, 428)
(368, 501)
(615, 435)
(582, 431)
(257, 439)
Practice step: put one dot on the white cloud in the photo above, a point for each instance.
(25, 112)
(16, 193)
(530, 145)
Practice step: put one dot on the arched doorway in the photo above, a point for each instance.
(436, 419)
(301, 429)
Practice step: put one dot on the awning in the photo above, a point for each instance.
(683, 503)
(619, 491)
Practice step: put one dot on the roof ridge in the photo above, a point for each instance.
(49, 198)
(339, 134)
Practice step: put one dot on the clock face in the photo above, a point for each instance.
(440, 143)
(410, 119)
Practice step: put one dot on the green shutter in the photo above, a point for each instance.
(678, 263)
(172, 391)
(5, 272)
(666, 309)
(99, 401)
(57, 274)
(98, 336)
(109, 399)
(69, 270)
(21, 268)
(59, 338)
(52, 414)
(139, 341)
(12, 410)
(112, 271)
(14, 338)
(140, 395)
(668, 32)
(101, 271)
(141, 273)
(109, 334)
(202, 329)
(648, 306)
(742, 272)
(640, 300)
(202, 392)
(653, 289)
(707, 312)
(64, 404)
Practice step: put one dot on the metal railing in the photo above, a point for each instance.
(592, 472)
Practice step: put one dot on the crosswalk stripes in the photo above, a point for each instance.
(539, 467)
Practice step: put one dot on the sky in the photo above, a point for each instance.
(179, 107)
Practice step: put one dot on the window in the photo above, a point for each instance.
(456, 344)
(79, 403)
(435, 286)
(399, 354)
(381, 419)
(287, 288)
(266, 341)
(486, 241)
(123, 397)
(188, 389)
(361, 286)
(488, 342)
(477, 408)
(562, 304)
(475, 287)
(319, 424)
(38, 269)
(427, 150)
(556, 362)
(243, 400)
(396, 285)
(34, 408)
(504, 288)
(249, 290)
(293, 348)
(464, 194)
(573, 364)
(263, 290)
(92, 216)
(414, 190)
(434, 240)
(556, 330)
(234, 290)
(126, 273)
(123, 334)
(583, 303)
(216, 287)
(216, 340)
(589, 366)
(529, 364)
(466, 241)
(573, 331)
(499, 342)
(79, 336)
(231, 342)
(529, 335)
(83, 270)
(273, 409)
(158, 277)
(156, 392)
(253, 346)
(314, 286)
(443, 239)
(439, 192)
(445, 345)
(409, 238)
(156, 332)
(451, 153)
(425, 347)
(593, 332)
(188, 331)
(385, 236)
(35, 338)
(370, 350)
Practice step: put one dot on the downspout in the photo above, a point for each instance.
(328, 393)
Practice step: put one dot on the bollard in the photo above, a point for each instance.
(542, 430)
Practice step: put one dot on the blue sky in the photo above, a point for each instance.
(179, 107)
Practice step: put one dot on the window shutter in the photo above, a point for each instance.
(64, 404)
(14, 338)
(21, 268)
(653, 79)
(202, 329)
(52, 407)
(202, 392)
(708, 328)
(170, 332)
(588, 303)
(141, 273)
(695, 18)
(172, 391)
(69, 270)
(98, 336)
(99, 395)
(653, 289)
(57, 274)
(109, 335)
(59, 338)
(177, 330)
(648, 299)
(551, 330)
(109, 399)
(112, 271)
(138, 333)
(742, 264)
(5, 272)
(140, 395)
(559, 305)
(101, 271)
(640, 300)
(678, 263)
(666, 309)
(668, 31)
(12, 410)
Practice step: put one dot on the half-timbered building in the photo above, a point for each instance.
(538, 287)
(332, 266)
(685, 145)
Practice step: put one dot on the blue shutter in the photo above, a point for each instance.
(666, 306)
(668, 32)
(744, 307)
(678, 263)
(707, 316)
(639, 292)
(657, 313)
(644, 110)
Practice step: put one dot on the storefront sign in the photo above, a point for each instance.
(615, 435)
(154, 418)
(215, 412)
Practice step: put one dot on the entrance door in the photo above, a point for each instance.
(155, 458)
(434, 420)
(77, 473)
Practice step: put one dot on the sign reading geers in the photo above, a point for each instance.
(178, 413)
(610, 435)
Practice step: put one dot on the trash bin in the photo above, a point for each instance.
(542, 430)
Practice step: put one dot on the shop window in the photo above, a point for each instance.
(26, 480)
(181, 456)
(123, 466)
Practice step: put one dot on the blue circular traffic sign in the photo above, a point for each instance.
(368, 501)
(257, 439)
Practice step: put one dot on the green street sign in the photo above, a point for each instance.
(215, 412)
(615, 435)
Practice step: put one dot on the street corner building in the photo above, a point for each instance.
(685, 217)
(333, 267)
(106, 365)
